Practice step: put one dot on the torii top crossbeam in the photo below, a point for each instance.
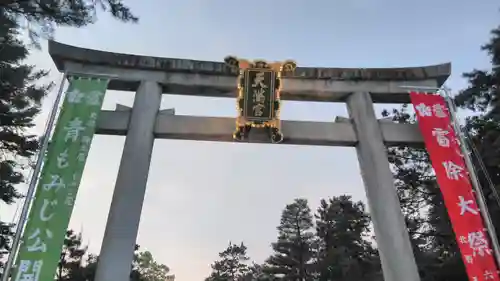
(215, 79)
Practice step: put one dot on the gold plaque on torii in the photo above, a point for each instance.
(258, 101)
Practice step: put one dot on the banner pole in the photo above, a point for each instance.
(33, 181)
(483, 208)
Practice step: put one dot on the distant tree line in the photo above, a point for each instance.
(330, 245)
(76, 264)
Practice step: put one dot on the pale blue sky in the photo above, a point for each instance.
(198, 194)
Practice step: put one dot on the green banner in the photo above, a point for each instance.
(55, 196)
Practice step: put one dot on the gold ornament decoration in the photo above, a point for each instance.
(258, 102)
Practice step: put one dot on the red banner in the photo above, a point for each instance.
(452, 176)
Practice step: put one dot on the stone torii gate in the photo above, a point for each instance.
(149, 77)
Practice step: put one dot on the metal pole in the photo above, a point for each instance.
(474, 179)
(409, 87)
(32, 186)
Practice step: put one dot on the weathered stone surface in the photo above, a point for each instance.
(298, 89)
(202, 128)
(61, 53)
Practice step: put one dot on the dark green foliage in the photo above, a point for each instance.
(232, 264)
(343, 251)
(74, 262)
(482, 94)
(43, 16)
(77, 264)
(146, 268)
(257, 272)
(294, 250)
(337, 250)
(6, 234)
(20, 102)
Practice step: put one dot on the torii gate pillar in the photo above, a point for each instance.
(130, 188)
(396, 254)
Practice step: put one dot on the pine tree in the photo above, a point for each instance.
(343, 251)
(149, 269)
(232, 265)
(6, 234)
(72, 266)
(293, 252)
(20, 102)
(43, 16)
(76, 264)
(257, 272)
(483, 93)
